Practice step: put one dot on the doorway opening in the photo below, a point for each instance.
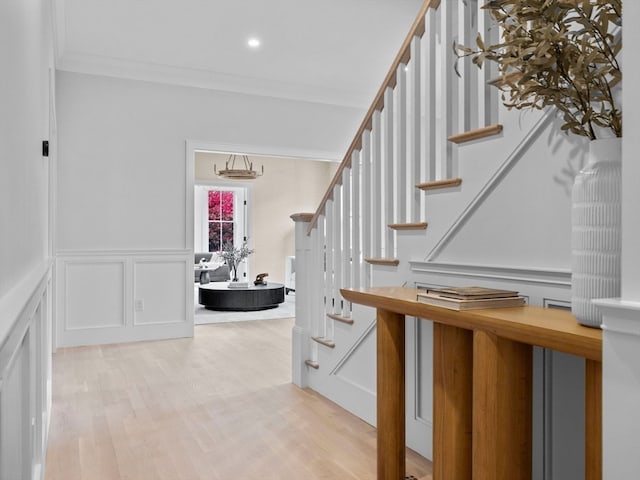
(220, 218)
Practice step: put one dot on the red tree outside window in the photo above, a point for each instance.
(220, 219)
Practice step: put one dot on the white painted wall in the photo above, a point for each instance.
(631, 165)
(621, 349)
(123, 188)
(25, 53)
(122, 159)
(25, 267)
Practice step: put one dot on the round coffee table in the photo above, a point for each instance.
(218, 296)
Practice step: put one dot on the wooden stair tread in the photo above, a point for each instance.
(408, 226)
(340, 318)
(439, 184)
(383, 261)
(476, 134)
(322, 341)
(312, 364)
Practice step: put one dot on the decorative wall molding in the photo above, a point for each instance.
(20, 302)
(493, 182)
(551, 277)
(417, 332)
(83, 271)
(349, 353)
(157, 315)
(176, 273)
(419, 385)
(122, 253)
(25, 375)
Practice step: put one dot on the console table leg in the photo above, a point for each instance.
(390, 392)
(593, 420)
(502, 375)
(452, 402)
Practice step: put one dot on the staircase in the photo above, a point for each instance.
(432, 148)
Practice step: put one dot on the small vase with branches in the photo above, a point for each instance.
(233, 256)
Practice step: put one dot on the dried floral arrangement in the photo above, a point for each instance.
(233, 256)
(560, 53)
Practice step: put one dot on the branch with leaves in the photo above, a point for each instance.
(233, 256)
(559, 53)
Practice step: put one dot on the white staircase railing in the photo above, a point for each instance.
(402, 143)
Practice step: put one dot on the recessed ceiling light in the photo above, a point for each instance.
(253, 42)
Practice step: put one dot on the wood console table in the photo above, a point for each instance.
(482, 392)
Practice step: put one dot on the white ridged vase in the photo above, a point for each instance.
(595, 232)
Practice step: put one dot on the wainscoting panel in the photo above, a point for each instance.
(25, 377)
(15, 416)
(419, 382)
(356, 373)
(95, 294)
(159, 292)
(123, 296)
(558, 380)
(347, 373)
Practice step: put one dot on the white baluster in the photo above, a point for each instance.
(367, 202)
(487, 94)
(400, 143)
(388, 174)
(356, 209)
(468, 80)
(318, 313)
(376, 185)
(338, 252)
(449, 87)
(347, 254)
(414, 127)
(329, 272)
(430, 84)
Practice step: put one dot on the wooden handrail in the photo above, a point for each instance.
(404, 55)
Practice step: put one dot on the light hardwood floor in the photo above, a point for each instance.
(217, 406)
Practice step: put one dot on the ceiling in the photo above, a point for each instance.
(330, 51)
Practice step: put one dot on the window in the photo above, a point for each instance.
(221, 219)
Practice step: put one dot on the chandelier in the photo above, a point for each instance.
(230, 171)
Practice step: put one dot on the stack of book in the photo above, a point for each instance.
(238, 285)
(469, 298)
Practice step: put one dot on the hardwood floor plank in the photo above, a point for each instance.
(215, 407)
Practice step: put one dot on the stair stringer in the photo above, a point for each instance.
(354, 354)
(481, 164)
